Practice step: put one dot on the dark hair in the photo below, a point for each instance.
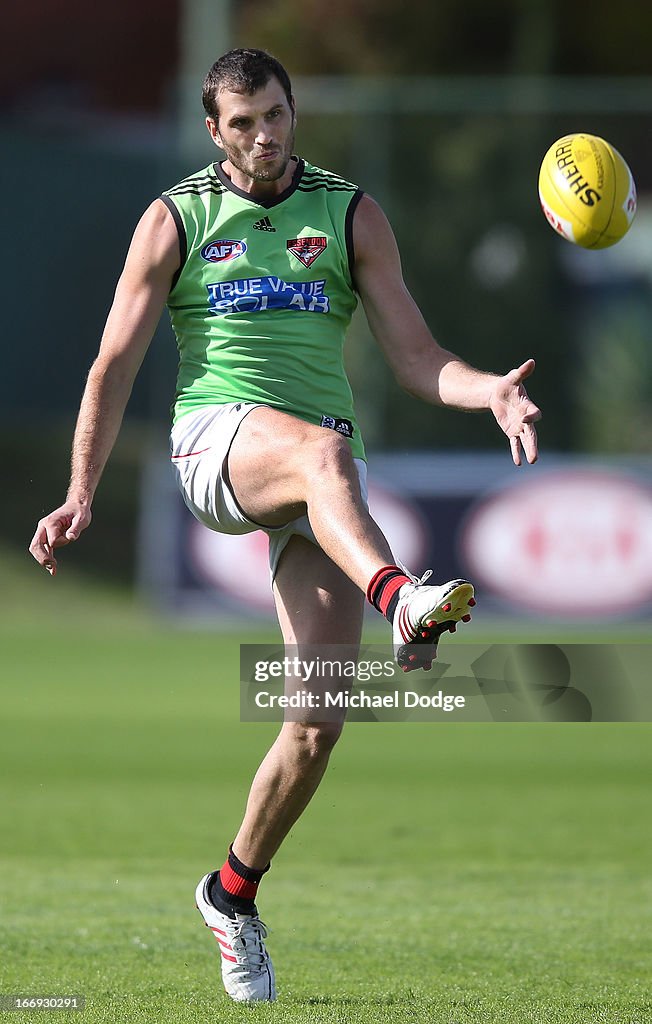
(242, 71)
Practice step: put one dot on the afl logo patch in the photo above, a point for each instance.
(223, 250)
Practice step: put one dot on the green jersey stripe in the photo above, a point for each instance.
(332, 178)
(327, 188)
(204, 190)
(198, 180)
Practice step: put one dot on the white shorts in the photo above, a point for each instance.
(199, 444)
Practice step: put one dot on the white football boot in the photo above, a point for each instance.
(423, 614)
(247, 971)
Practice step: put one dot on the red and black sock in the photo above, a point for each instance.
(234, 886)
(383, 589)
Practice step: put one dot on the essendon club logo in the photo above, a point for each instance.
(223, 250)
(308, 249)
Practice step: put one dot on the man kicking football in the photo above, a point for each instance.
(260, 260)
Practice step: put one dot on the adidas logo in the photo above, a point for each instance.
(264, 224)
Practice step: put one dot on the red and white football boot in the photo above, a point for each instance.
(423, 614)
(247, 971)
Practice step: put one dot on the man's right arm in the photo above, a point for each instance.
(140, 296)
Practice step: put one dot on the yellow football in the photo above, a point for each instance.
(587, 191)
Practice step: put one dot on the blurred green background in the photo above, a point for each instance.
(443, 115)
(522, 852)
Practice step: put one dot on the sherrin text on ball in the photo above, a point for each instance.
(587, 191)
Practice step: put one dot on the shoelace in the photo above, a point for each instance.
(256, 930)
(417, 580)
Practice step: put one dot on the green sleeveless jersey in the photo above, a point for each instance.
(264, 295)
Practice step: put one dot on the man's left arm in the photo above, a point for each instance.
(419, 364)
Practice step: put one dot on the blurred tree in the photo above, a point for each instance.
(124, 56)
(382, 37)
(612, 389)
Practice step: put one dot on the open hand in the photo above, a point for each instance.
(515, 413)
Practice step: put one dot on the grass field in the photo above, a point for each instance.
(452, 873)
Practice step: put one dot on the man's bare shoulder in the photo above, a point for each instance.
(156, 238)
(372, 232)
(369, 212)
(157, 218)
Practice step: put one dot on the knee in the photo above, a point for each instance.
(332, 455)
(314, 741)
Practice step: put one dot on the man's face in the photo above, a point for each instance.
(256, 132)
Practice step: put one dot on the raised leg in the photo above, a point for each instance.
(281, 468)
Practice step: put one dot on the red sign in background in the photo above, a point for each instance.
(575, 542)
(563, 540)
